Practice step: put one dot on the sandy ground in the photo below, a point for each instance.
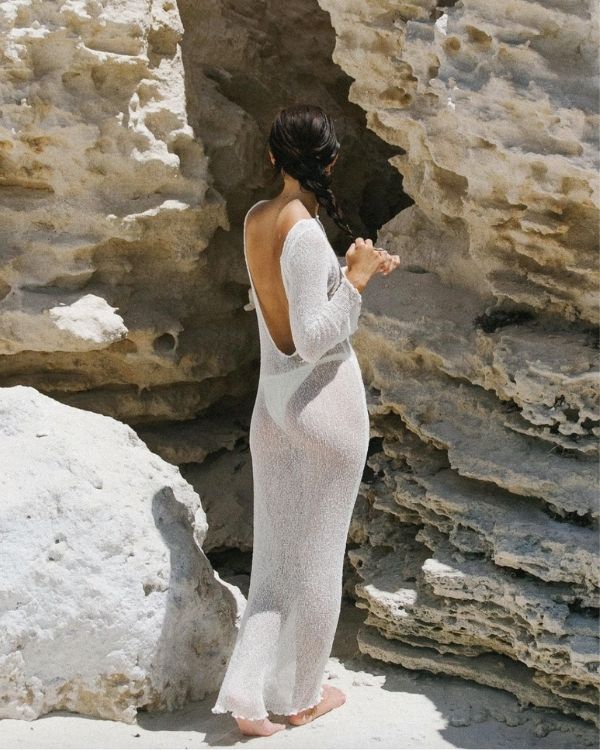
(386, 707)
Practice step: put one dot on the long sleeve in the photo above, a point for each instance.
(317, 323)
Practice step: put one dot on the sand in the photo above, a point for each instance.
(386, 707)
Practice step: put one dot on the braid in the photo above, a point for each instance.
(318, 181)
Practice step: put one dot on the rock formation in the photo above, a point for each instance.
(477, 535)
(108, 210)
(107, 601)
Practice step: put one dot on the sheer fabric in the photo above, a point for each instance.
(309, 435)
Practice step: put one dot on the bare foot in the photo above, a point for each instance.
(332, 698)
(258, 727)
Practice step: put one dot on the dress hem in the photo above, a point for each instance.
(217, 709)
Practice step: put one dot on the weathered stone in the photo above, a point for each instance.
(496, 105)
(107, 601)
(477, 538)
(108, 210)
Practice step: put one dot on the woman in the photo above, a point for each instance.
(309, 432)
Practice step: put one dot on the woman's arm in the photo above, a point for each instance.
(317, 323)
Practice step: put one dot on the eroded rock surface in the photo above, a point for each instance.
(477, 536)
(496, 105)
(108, 210)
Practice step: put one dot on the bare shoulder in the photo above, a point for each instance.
(290, 214)
(275, 218)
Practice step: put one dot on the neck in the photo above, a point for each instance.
(292, 189)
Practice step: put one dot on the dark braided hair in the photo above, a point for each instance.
(303, 142)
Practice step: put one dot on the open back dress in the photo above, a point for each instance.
(309, 434)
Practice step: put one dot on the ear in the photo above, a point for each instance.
(329, 167)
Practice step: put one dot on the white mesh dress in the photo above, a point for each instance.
(309, 434)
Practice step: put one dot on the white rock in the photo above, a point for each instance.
(107, 602)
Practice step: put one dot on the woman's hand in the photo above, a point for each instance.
(389, 262)
(364, 261)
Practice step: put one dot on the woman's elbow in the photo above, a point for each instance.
(308, 346)
(308, 352)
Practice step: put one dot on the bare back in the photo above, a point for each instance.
(266, 228)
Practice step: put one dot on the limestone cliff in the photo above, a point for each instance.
(108, 210)
(476, 539)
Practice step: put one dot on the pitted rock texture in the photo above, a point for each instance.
(108, 210)
(107, 601)
(496, 105)
(477, 534)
